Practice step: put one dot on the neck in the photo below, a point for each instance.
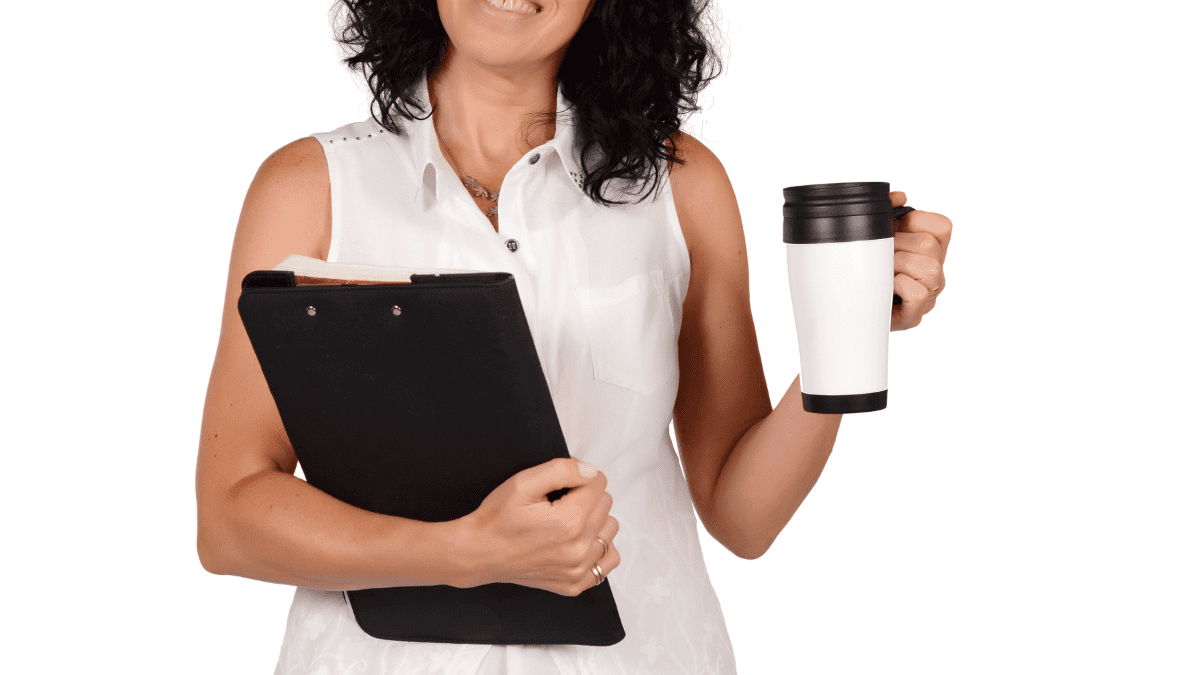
(492, 116)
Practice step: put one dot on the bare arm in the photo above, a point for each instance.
(256, 519)
(748, 467)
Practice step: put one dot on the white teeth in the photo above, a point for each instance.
(520, 6)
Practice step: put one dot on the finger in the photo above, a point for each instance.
(584, 497)
(913, 295)
(562, 472)
(926, 222)
(600, 549)
(920, 243)
(598, 520)
(608, 562)
(898, 198)
(922, 268)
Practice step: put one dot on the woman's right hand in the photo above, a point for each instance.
(521, 537)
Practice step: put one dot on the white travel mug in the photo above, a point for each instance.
(840, 249)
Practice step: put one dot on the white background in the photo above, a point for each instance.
(1026, 503)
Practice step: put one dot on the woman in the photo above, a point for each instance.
(539, 137)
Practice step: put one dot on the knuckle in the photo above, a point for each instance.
(581, 552)
(580, 585)
(576, 527)
(928, 244)
(559, 530)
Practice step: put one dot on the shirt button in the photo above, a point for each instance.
(535, 158)
(511, 244)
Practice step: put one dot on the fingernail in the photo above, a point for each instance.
(586, 470)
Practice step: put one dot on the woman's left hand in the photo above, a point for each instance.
(921, 242)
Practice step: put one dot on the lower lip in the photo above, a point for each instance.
(507, 12)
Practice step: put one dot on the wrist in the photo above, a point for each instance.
(464, 564)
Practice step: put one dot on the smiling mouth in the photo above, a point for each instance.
(519, 6)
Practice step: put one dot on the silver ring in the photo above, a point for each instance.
(599, 574)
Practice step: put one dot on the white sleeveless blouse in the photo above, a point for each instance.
(603, 291)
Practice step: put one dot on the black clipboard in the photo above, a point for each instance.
(417, 400)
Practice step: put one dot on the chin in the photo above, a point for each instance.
(508, 37)
(498, 51)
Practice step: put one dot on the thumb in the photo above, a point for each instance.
(561, 472)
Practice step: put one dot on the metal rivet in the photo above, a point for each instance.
(512, 244)
(396, 310)
(312, 311)
(535, 158)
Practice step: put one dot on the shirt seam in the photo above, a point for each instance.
(335, 199)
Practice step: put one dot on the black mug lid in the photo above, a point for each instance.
(832, 200)
(837, 212)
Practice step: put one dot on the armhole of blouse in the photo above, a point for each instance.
(682, 273)
(680, 277)
(335, 198)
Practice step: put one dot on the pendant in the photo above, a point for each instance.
(479, 190)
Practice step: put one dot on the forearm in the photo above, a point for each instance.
(770, 471)
(276, 527)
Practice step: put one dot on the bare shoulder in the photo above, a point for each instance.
(290, 199)
(707, 207)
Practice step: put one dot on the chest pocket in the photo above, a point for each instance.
(631, 332)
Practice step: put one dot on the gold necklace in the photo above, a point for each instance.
(472, 184)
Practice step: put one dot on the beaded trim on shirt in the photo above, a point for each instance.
(357, 138)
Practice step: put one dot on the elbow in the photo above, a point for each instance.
(745, 542)
(748, 549)
(742, 550)
(753, 552)
(217, 528)
(736, 540)
(208, 551)
(211, 547)
(209, 559)
(223, 542)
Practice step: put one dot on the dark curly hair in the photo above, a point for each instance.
(631, 74)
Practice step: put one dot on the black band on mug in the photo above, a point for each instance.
(830, 229)
(848, 403)
(837, 228)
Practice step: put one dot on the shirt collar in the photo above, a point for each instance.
(433, 167)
